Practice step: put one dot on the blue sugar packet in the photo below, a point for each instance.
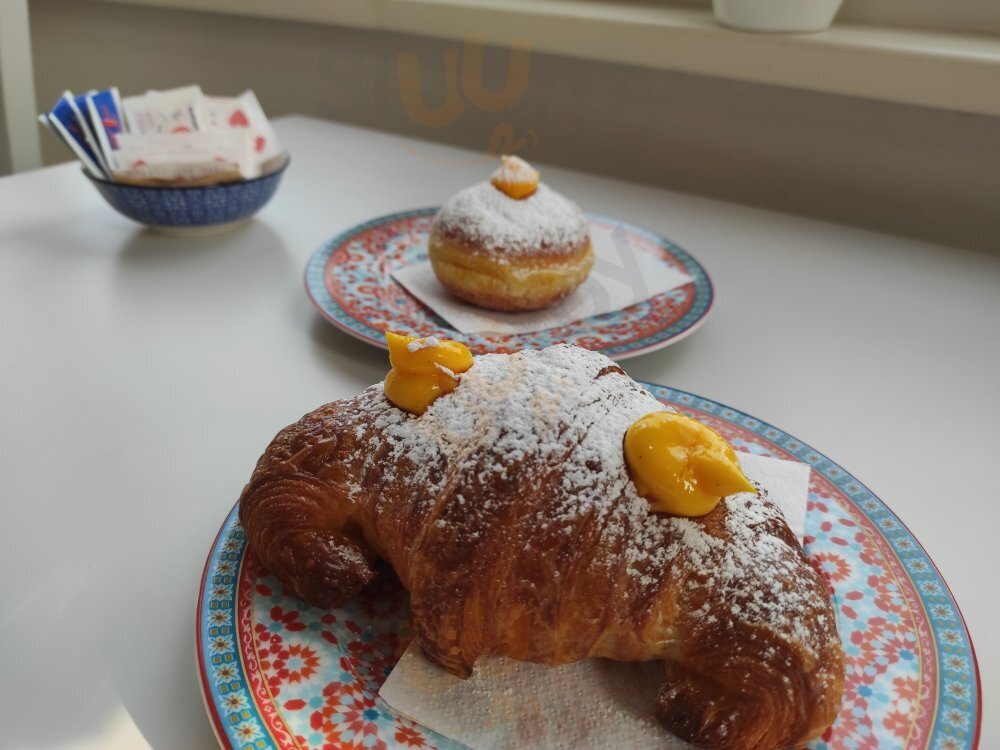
(79, 107)
(62, 120)
(105, 112)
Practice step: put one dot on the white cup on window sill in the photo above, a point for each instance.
(776, 15)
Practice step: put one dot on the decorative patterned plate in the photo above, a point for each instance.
(277, 673)
(349, 280)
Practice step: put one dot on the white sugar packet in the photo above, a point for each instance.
(622, 276)
(596, 703)
(159, 112)
(241, 113)
(178, 169)
(222, 151)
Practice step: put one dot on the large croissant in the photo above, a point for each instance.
(508, 513)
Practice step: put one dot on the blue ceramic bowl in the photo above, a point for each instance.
(191, 210)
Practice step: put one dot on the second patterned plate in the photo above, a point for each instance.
(349, 280)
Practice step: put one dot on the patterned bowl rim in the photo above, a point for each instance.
(696, 402)
(223, 185)
(700, 278)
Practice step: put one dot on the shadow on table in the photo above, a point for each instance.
(146, 246)
(356, 358)
(660, 363)
(214, 279)
(186, 723)
(120, 689)
(343, 352)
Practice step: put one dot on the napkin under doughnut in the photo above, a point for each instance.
(622, 276)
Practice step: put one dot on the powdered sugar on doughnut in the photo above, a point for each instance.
(484, 218)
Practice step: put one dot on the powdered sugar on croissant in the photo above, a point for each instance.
(507, 511)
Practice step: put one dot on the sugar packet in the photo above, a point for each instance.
(105, 119)
(231, 148)
(62, 120)
(142, 138)
(244, 111)
(79, 106)
(186, 170)
(158, 112)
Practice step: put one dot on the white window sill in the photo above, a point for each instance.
(947, 70)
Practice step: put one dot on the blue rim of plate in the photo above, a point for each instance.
(218, 594)
(676, 330)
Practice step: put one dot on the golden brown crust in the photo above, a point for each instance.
(495, 564)
(509, 284)
(732, 686)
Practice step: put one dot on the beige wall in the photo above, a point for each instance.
(901, 169)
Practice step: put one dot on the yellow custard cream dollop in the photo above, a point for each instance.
(681, 466)
(422, 370)
(515, 178)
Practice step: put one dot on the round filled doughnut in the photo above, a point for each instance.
(512, 243)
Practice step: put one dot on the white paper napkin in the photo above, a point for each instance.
(596, 703)
(622, 275)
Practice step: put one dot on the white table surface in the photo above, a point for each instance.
(142, 376)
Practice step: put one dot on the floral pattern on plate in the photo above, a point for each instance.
(277, 673)
(350, 281)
